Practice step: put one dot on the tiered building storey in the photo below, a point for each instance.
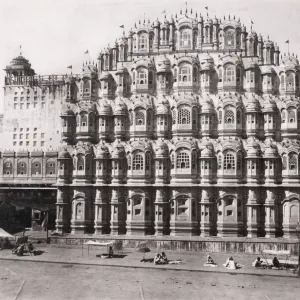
(188, 126)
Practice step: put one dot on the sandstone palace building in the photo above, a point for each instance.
(184, 126)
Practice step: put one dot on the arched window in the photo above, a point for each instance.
(21, 168)
(185, 38)
(80, 162)
(229, 162)
(238, 75)
(83, 119)
(142, 42)
(185, 74)
(283, 116)
(291, 116)
(282, 81)
(142, 77)
(194, 159)
(50, 168)
(138, 162)
(139, 118)
(184, 116)
(195, 74)
(220, 116)
(284, 162)
(183, 161)
(229, 38)
(174, 114)
(7, 168)
(151, 39)
(290, 81)
(36, 168)
(293, 161)
(229, 74)
(229, 116)
(220, 74)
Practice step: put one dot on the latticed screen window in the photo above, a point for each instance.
(174, 113)
(80, 163)
(83, 119)
(238, 117)
(50, 167)
(138, 162)
(185, 38)
(229, 116)
(184, 116)
(290, 80)
(194, 160)
(147, 163)
(220, 116)
(229, 74)
(185, 74)
(142, 77)
(7, 168)
(183, 161)
(35, 168)
(284, 162)
(219, 162)
(149, 117)
(292, 161)
(139, 118)
(229, 162)
(291, 116)
(150, 78)
(143, 41)
(229, 38)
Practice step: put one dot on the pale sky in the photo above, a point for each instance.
(55, 33)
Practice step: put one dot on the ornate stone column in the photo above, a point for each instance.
(271, 214)
(102, 216)
(253, 213)
(117, 223)
(161, 213)
(207, 218)
(62, 210)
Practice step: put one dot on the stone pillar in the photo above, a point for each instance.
(101, 212)
(207, 218)
(253, 213)
(117, 224)
(271, 214)
(161, 213)
(62, 210)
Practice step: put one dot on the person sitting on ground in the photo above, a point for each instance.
(209, 260)
(31, 249)
(230, 264)
(275, 262)
(20, 250)
(157, 259)
(110, 252)
(257, 263)
(164, 258)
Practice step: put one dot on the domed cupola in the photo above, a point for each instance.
(103, 166)
(64, 166)
(89, 85)
(289, 75)
(207, 163)
(252, 43)
(120, 112)
(163, 71)
(272, 163)
(253, 158)
(105, 120)
(107, 84)
(206, 70)
(68, 124)
(270, 112)
(163, 118)
(268, 52)
(207, 116)
(253, 116)
(119, 165)
(161, 162)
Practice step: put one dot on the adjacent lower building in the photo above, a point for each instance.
(185, 127)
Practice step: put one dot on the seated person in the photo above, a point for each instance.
(164, 258)
(20, 250)
(230, 264)
(209, 260)
(275, 262)
(110, 252)
(31, 249)
(257, 263)
(157, 259)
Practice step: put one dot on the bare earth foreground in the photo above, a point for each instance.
(33, 280)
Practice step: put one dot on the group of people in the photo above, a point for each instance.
(160, 258)
(21, 249)
(258, 263)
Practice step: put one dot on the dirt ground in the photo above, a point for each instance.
(33, 280)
